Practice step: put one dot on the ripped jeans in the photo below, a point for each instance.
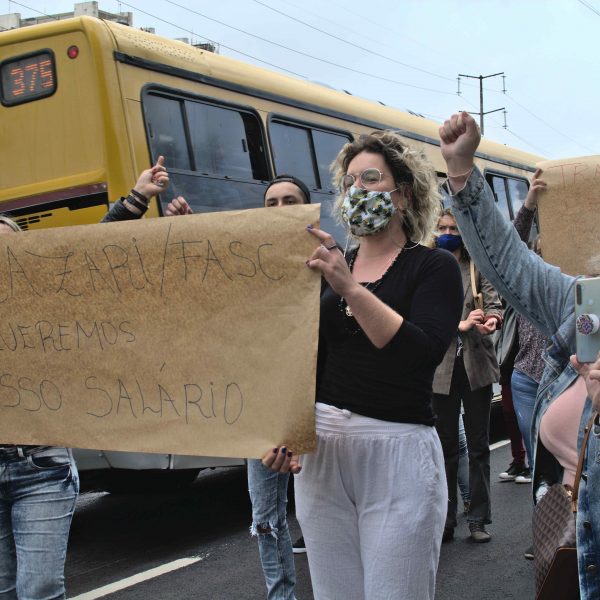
(268, 493)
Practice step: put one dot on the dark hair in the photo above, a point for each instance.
(290, 179)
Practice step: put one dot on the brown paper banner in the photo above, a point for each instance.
(568, 212)
(193, 335)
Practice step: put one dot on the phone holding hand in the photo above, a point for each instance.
(587, 319)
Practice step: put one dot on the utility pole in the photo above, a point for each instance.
(481, 113)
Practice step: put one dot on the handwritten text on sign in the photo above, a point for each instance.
(569, 214)
(193, 335)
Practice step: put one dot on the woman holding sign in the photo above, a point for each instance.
(372, 500)
(38, 489)
(39, 484)
(466, 376)
(546, 297)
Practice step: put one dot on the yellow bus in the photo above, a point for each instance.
(87, 104)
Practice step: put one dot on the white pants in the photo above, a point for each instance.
(372, 504)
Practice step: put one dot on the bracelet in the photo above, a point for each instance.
(140, 197)
(130, 206)
(461, 174)
(135, 202)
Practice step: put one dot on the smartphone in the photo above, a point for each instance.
(587, 319)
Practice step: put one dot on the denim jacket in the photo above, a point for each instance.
(545, 296)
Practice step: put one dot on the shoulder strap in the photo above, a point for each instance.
(477, 297)
(473, 280)
(580, 462)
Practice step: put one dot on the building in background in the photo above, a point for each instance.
(88, 9)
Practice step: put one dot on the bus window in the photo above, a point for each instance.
(167, 134)
(517, 190)
(214, 154)
(219, 139)
(327, 147)
(500, 193)
(307, 153)
(510, 193)
(293, 153)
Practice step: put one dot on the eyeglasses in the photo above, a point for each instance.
(367, 178)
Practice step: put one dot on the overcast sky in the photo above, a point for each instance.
(410, 52)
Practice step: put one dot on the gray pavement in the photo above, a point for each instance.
(115, 537)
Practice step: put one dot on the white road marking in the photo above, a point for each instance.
(499, 444)
(111, 588)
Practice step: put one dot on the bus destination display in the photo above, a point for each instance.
(27, 78)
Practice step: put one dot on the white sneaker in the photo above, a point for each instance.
(511, 473)
(524, 477)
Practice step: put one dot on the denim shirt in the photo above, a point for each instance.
(545, 296)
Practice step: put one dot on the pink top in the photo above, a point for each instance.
(560, 425)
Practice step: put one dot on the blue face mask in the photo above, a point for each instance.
(449, 242)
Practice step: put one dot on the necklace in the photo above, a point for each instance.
(371, 286)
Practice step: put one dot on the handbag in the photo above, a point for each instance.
(554, 537)
(477, 296)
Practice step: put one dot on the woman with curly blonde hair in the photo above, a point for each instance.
(372, 499)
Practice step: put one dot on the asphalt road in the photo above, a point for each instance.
(136, 543)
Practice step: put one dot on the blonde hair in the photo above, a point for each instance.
(9, 223)
(409, 167)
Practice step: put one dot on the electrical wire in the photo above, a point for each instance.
(35, 10)
(368, 50)
(221, 44)
(589, 6)
(548, 125)
(325, 61)
(509, 130)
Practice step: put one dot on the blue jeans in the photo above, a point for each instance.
(524, 391)
(268, 493)
(38, 489)
(463, 461)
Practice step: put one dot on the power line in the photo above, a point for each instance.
(509, 130)
(368, 50)
(589, 6)
(328, 62)
(35, 10)
(223, 45)
(481, 112)
(538, 150)
(548, 125)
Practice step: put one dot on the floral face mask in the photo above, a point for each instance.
(366, 212)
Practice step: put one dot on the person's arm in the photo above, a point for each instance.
(434, 313)
(536, 289)
(524, 218)
(492, 308)
(150, 183)
(378, 321)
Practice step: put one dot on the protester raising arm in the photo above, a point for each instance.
(492, 240)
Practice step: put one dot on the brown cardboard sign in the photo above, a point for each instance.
(193, 335)
(568, 212)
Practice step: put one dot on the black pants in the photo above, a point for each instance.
(477, 405)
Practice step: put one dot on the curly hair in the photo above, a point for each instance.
(409, 167)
